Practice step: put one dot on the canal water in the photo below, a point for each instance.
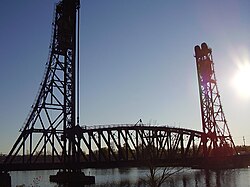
(134, 177)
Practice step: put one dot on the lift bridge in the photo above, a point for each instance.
(52, 138)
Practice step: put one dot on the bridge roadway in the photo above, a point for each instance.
(97, 165)
(118, 146)
(231, 162)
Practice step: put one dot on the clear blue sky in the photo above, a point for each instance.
(136, 61)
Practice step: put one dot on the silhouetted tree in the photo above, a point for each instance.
(157, 175)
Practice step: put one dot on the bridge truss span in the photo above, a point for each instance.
(51, 137)
(136, 143)
(118, 146)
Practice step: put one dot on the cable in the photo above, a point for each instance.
(78, 66)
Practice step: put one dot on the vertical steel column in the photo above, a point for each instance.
(137, 144)
(30, 151)
(119, 145)
(109, 145)
(99, 145)
(90, 148)
(52, 147)
(23, 150)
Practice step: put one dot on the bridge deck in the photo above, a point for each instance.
(98, 165)
(237, 161)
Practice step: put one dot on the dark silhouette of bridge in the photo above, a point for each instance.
(52, 138)
(126, 145)
(118, 146)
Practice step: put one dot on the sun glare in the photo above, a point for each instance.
(241, 79)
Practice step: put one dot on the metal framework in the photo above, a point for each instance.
(218, 140)
(51, 137)
(138, 142)
(123, 145)
(53, 112)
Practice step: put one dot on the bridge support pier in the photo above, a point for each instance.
(72, 178)
(5, 179)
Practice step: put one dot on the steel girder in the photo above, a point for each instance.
(137, 143)
(124, 143)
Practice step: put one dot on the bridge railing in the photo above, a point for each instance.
(104, 126)
(110, 126)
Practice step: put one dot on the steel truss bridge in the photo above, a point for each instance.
(117, 146)
(51, 137)
(124, 145)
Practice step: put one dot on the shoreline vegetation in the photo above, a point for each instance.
(240, 149)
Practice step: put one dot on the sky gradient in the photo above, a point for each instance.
(136, 61)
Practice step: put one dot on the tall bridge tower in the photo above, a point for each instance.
(47, 135)
(217, 140)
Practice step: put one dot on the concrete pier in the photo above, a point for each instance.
(5, 179)
(72, 178)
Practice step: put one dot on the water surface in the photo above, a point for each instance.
(133, 177)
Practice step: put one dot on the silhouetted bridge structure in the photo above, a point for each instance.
(51, 137)
(129, 145)
(120, 146)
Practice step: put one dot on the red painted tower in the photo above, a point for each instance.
(217, 140)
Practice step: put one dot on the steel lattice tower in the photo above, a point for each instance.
(217, 140)
(47, 128)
